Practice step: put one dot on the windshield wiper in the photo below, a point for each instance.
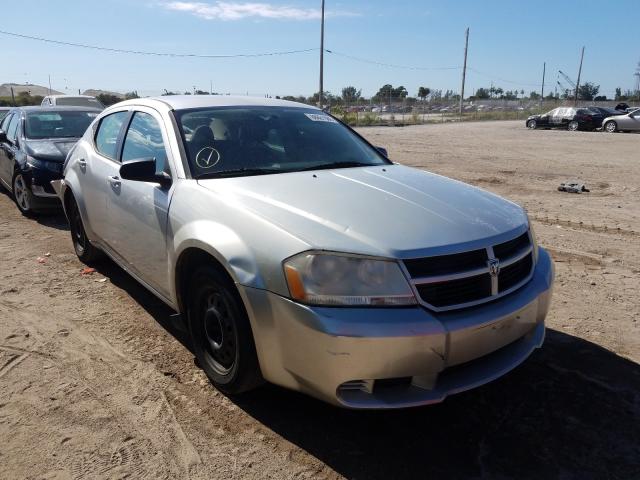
(327, 166)
(238, 172)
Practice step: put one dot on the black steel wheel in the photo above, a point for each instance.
(85, 251)
(221, 334)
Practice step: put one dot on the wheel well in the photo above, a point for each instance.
(187, 262)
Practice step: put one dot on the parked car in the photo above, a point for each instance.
(629, 122)
(3, 112)
(72, 101)
(297, 253)
(600, 113)
(34, 142)
(564, 117)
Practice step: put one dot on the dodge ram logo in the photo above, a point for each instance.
(494, 267)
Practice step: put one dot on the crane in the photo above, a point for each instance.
(571, 83)
(567, 79)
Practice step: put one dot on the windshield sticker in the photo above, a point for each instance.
(207, 158)
(316, 117)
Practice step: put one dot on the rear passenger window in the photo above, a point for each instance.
(144, 140)
(107, 135)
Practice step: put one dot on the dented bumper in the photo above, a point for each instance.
(396, 357)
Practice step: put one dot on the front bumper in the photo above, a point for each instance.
(396, 357)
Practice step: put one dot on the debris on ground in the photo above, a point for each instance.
(87, 271)
(41, 260)
(573, 187)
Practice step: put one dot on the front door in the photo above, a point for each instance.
(7, 150)
(138, 211)
(97, 169)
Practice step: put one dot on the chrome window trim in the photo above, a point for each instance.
(495, 294)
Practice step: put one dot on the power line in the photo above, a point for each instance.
(488, 75)
(390, 65)
(156, 54)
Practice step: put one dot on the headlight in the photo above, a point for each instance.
(342, 280)
(44, 165)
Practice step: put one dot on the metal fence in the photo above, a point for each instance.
(400, 114)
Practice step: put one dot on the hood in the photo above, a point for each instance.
(50, 149)
(393, 211)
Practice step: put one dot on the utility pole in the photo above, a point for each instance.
(49, 84)
(13, 98)
(575, 103)
(544, 71)
(210, 87)
(464, 70)
(321, 57)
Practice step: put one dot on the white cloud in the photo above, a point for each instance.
(221, 10)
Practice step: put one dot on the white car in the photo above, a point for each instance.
(72, 101)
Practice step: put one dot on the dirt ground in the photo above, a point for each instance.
(97, 382)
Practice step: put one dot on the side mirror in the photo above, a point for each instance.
(144, 170)
(3, 136)
(383, 151)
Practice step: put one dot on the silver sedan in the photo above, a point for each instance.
(298, 253)
(623, 123)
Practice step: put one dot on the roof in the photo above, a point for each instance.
(37, 108)
(70, 96)
(180, 102)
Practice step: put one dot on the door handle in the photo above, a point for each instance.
(114, 181)
(83, 164)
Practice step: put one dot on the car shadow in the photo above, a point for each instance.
(53, 219)
(572, 410)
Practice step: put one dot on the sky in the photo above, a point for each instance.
(509, 41)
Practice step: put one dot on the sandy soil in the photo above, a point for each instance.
(97, 382)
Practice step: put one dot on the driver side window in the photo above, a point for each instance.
(144, 140)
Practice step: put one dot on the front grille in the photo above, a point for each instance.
(455, 292)
(512, 247)
(446, 282)
(513, 274)
(445, 264)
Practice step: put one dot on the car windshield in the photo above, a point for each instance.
(52, 124)
(78, 102)
(237, 141)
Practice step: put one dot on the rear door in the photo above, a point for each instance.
(138, 211)
(98, 169)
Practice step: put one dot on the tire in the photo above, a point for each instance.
(573, 126)
(86, 252)
(532, 124)
(22, 195)
(220, 332)
(610, 127)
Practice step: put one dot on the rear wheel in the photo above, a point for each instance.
(85, 251)
(532, 124)
(221, 334)
(22, 194)
(573, 126)
(610, 126)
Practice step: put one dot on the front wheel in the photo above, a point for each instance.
(221, 334)
(532, 124)
(85, 251)
(573, 126)
(610, 127)
(22, 194)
